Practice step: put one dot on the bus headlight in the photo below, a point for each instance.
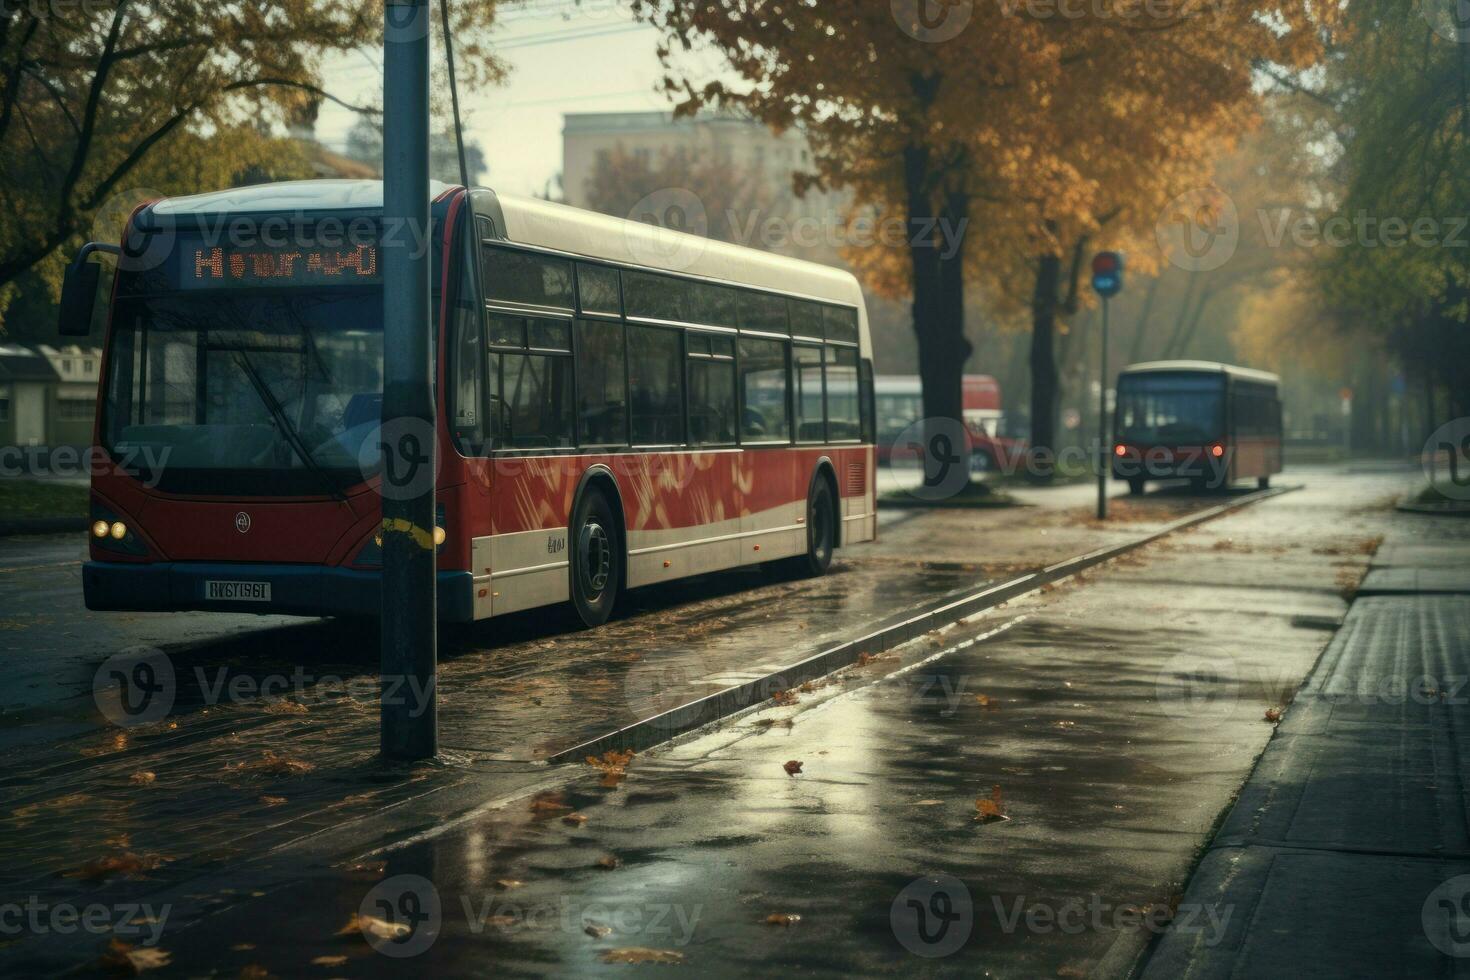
(439, 536)
(119, 530)
(100, 529)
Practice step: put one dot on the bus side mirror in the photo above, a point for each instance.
(78, 297)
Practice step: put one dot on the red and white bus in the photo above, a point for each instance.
(622, 407)
(1209, 423)
(900, 405)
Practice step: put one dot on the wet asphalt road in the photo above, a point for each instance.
(713, 830)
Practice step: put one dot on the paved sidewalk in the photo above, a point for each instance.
(1348, 851)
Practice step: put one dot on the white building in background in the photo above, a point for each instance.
(748, 147)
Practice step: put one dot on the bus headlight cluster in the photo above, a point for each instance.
(115, 530)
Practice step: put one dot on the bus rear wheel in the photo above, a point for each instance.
(596, 565)
(821, 532)
(1135, 485)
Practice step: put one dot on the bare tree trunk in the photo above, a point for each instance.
(939, 298)
(1044, 366)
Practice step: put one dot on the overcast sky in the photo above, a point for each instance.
(563, 58)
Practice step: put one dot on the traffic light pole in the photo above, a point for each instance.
(1103, 460)
(409, 654)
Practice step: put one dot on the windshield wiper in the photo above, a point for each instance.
(284, 424)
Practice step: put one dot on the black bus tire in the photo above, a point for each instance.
(595, 559)
(1135, 485)
(821, 536)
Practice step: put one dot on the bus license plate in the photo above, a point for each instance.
(238, 591)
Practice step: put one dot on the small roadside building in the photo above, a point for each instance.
(48, 395)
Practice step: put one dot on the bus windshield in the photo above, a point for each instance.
(278, 388)
(1170, 410)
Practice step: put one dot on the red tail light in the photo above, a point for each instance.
(1217, 450)
(1120, 450)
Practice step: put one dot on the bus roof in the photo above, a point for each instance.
(544, 224)
(1202, 367)
(289, 195)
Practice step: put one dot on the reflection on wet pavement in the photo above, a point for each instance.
(264, 750)
(1117, 720)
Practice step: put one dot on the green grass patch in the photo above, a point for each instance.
(25, 499)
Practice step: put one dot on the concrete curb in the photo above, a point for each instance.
(707, 710)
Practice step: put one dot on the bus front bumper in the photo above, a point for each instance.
(296, 590)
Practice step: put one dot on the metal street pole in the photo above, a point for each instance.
(1103, 462)
(409, 720)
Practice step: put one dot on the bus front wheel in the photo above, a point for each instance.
(596, 570)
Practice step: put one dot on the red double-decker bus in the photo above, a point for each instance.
(618, 406)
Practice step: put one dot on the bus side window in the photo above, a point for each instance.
(844, 419)
(865, 396)
(765, 412)
(811, 403)
(467, 353)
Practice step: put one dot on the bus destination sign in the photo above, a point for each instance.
(217, 268)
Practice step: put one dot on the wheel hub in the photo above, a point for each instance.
(596, 558)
